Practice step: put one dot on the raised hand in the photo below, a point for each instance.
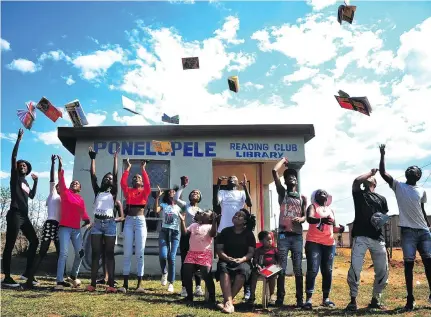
(20, 133)
(91, 153)
(34, 177)
(286, 161)
(341, 229)
(143, 164)
(129, 165)
(182, 216)
(116, 152)
(160, 192)
(222, 178)
(60, 162)
(382, 149)
(374, 171)
(244, 182)
(53, 157)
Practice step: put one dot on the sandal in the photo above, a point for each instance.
(228, 308)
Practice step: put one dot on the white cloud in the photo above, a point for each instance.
(4, 45)
(271, 70)
(49, 138)
(251, 85)
(320, 4)
(11, 137)
(55, 56)
(229, 31)
(42, 174)
(24, 66)
(301, 74)
(96, 119)
(4, 174)
(132, 120)
(69, 80)
(97, 64)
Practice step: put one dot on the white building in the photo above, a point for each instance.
(203, 153)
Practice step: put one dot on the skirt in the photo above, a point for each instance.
(204, 258)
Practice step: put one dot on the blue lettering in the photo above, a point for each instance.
(232, 146)
(249, 154)
(188, 149)
(197, 153)
(163, 153)
(139, 148)
(99, 146)
(238, 154)
(113, 146)
(265, 147)
(276, 147)
(126, 148)
(259, 147)
(209, 149)
(148, 146)
(237, 146)
(176, 146)
(294, 147)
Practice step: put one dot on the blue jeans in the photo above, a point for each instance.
(135, 231)
(319, 256)
(292, 243)
(66, 234)
(415, 239)
(107, 227)
(169, 241)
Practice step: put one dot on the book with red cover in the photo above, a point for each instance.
(270, 270)
(49, 110)
(359, 104)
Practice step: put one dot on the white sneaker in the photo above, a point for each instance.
(198, 291)
(75, 283)
(122, 290)
(164, 279)
(183, 292)
(170, 288)
(23, 278)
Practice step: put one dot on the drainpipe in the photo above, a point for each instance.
(262, 213)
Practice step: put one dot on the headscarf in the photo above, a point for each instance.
(328, 199)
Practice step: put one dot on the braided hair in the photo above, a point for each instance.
(250, 219)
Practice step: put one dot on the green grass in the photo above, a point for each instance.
(156, 302)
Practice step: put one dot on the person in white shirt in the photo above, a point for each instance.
(231, 201)
(415, 228)
(50, 227)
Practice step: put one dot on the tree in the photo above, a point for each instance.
(4, 206)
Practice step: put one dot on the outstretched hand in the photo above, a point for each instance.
(53, 157)
(20, 133)
(34, 177)
(382, 149)
(374, 171)
(91, 153)
(60, 162)
(160, 192)
(244, 182)
(129, 165)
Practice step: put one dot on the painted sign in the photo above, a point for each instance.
(199, 149)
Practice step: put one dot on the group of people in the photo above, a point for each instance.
(194, 230)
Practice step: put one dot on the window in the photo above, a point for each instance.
(158, 172)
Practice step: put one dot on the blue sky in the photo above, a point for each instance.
(291, 58)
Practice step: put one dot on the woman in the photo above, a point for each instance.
(104, 230)
(200, 256)
(72, 211)
(190, 209)
(320, 245)
(169, 236)
(235, 248)
(135, 226)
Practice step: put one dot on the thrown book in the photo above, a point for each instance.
(359, 104)
(129, 105)
(45, 106)
(270, 270)
(76, 113)
(233, 82)
(27, 117)
(346, 13)
(190, 63)
(162, 146)
(174, 119)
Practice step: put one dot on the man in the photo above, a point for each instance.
(17, 216)
(415, 231)
(231, 201)
(369, 207)
(292, 216)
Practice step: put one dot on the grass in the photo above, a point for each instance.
(156, 302)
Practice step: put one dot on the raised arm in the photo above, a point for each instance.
(32, 193)
(181, 203)
(145, 179)
(61, 182)
(388, 178)
(157, 208)
(423, 201)
(280, 188)
(115, 167)
(213, 231)
(247, 194)
(13, 167)
(93, 176)
(124, 178)
(216, 198)
(183, 223)
(356, 186)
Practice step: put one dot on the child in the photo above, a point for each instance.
(264, 256)
(199, 256)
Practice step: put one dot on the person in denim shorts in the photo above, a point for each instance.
(104, 229)
(292, 216)
(415, 228)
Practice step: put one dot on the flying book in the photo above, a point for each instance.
(76, 113)
(270, 270)
(359, 104)
(174, 119)
(190, 63)
(49, 110)
(233, 82)
(346, 13)
(27, 117)
(162, 146)
(129, 105)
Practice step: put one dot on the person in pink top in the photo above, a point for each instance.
(199, 256)
(320, 246)
(72, 211)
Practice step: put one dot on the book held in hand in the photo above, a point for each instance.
(270, 270)
(76, 113)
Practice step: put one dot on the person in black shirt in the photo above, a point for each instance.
(235, 248)
(367, 234)
(17, 216)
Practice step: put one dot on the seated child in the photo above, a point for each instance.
(264, 256)
(199, 257)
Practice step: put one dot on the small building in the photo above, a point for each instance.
(203, 153)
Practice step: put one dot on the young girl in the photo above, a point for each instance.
(72, 211)
(191, 209)
(199, 256)
(320, 246)
(104, 230)
(169, 236)
(264, 256)
(135, 226)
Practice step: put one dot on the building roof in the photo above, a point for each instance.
(68, 135)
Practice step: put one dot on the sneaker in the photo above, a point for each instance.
(328, 303)
(9, 281)
(272, 299)
(352, 306)
(140, 290)
(199, 291)
(59, 287)
(35, 282)
(110, 289)
(299, 303)
(65, 284)
(228, 308)
(75, 283)
(101, 281)
(247, 293)
(410, 305)
(278, 303)
(90, 288)
(171, 288)
(183, 292)
(164, 279)
(308, 305)
(375, 304)
(122, 290)
(23, 278)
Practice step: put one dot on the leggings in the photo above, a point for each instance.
(189, 270)
(17, 220)
(184, 248)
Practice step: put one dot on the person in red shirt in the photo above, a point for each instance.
(72, 211)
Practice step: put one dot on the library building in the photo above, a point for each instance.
(202, 153)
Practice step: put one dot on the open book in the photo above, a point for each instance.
(270, 270)
(76, 113)
(359, 104)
